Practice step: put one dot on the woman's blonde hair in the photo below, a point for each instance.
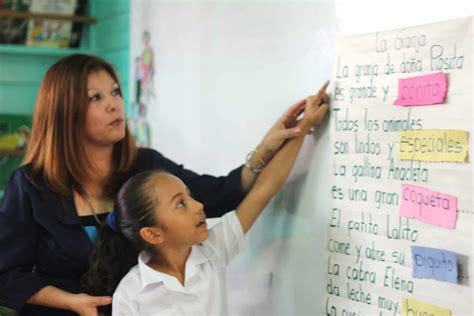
(56, 149)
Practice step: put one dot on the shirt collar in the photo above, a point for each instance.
(147, 274)
(150, 276)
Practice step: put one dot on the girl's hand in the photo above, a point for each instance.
(283, 129)
(288, 125)
(315, 109)
(86, 305)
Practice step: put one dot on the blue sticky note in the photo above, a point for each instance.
(433, 263)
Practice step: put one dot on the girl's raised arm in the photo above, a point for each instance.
(275, 173)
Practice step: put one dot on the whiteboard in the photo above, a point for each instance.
(225, 71)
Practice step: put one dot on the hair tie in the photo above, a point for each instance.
(112, 222)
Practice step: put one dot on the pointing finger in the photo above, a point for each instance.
(321, 94)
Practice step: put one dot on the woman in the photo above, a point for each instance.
(80, 153)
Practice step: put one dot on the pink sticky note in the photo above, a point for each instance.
(422, 90)
(429, 206)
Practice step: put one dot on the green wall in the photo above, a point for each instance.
(111, 36)
(22, 68)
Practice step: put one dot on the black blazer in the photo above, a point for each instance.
(42, 242)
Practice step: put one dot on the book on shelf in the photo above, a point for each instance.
(48, 32)
(13, 30)
(76, 33)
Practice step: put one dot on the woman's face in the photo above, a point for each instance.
(105, 120)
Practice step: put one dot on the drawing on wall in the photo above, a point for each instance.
(144, 92)
(145, 63)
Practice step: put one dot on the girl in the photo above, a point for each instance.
(181, 265)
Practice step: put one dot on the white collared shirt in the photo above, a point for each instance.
(145, 291)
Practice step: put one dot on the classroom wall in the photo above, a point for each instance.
(20, 77)
(224, 72)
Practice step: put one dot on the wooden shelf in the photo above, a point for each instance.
(13, 153)
(47, 16)
(45, 51)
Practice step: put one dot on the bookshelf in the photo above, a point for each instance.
(45, 51)
(15, 153)
(48, 16)
(87, 43)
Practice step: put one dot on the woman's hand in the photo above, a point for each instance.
(283, 129)
(315, 109)
(86, 305)
(287, 126)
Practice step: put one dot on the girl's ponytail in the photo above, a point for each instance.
(119, 241)
(112, 257)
